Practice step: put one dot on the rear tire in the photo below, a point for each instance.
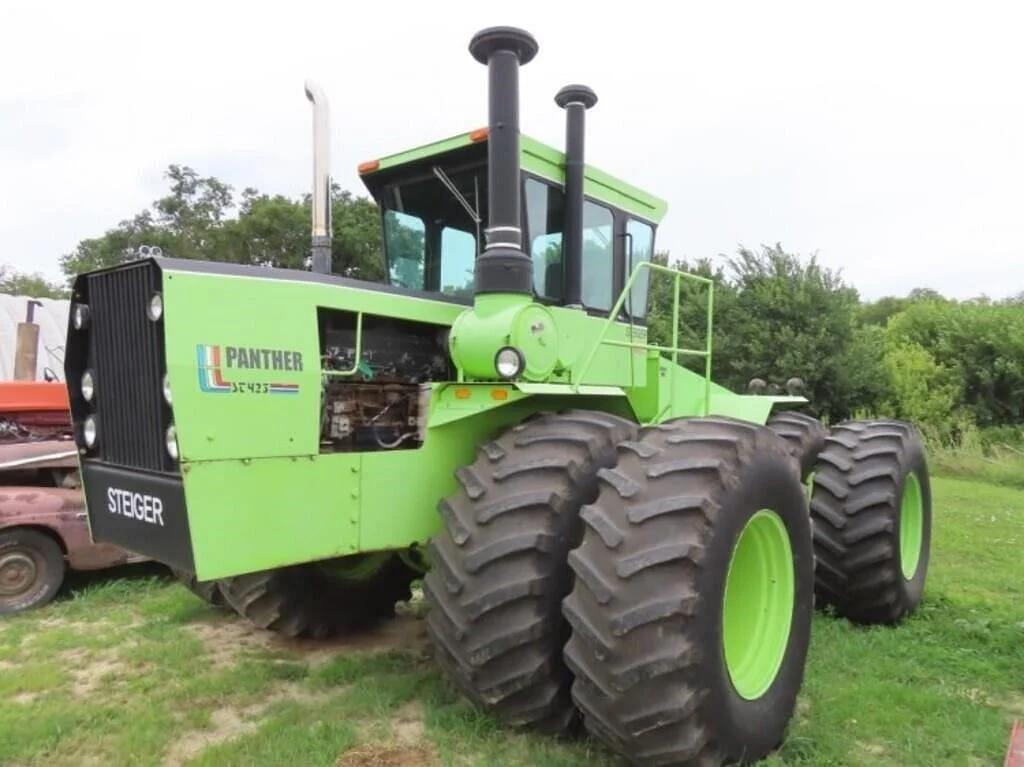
(208, 591)
(872, 513)
(804, 434)
(31, 569)
(701, 519)
(499, 570)
(315, 600)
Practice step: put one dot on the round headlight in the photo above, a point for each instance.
(90, 431)
(167, 389)
(156, 307)
(80, 316)
(88, 386)
(509, 362)
(172, 442)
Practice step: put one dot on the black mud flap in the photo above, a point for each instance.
(141, 512)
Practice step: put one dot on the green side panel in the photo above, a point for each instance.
(549, 163)
(254, 515)
(205, 311)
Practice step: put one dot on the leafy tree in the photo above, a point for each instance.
(199, 219)
(17, 283)
(919, 388)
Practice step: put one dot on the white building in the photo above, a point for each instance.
(52, 318)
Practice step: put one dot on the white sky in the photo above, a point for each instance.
(885, 136)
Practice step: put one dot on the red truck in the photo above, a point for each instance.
(43, 530)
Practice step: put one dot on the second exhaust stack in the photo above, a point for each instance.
(575, 100)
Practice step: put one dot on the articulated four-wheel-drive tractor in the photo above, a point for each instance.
(604, 535)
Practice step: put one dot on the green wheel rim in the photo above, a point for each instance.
(757, 612)
(911, 526)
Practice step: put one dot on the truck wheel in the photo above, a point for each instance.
(31, 569)
(499, 570)
(872, 513)
(321, 599)
(208, 591)
(804, 434)
(691, 610)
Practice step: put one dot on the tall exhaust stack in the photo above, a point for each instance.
(321, 250)
(503, 267)
(575, 100)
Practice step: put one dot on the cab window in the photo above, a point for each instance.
(598, 256)
(432, 223)
(544, 219)
(639, 248)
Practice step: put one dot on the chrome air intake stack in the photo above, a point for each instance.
(321, 245)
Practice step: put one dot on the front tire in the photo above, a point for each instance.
(692, 604)
(320, 599)
(499, 565)
(872, 512)
(804, 434)
(208, 591)
(31, 570)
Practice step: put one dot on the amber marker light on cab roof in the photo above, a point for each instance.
(368, 167)
(479, 134)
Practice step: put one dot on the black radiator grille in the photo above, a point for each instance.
(128, 356)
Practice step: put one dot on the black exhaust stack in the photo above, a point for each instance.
(575, 100)
(503, 267)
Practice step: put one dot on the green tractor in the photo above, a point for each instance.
(604, 535)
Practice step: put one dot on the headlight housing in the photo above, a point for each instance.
(155, 309)
(509, 362)
(80, 316)
(88, 386)
(90, 431)
(171, 440)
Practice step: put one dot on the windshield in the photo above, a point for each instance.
(432, 226)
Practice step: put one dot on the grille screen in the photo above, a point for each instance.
(127, 351)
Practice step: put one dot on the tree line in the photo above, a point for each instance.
(937, 361)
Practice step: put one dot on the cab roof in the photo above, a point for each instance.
(541, 160)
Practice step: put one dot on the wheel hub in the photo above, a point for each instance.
(911, 526)
(760, 592)
(17, 573)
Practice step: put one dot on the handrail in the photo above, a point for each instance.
(675, 350)
(359, 352)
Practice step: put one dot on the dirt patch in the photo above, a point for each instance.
(6, 665)
(87, 677)
(225, 724)
(226, 640)
(1014, 704)
(390, 756)
(24, 698)
(405, 632)
(231, 722)
(407, 723)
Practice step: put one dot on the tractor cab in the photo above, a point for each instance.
(434, 205)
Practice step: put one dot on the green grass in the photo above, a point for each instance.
(134, 670)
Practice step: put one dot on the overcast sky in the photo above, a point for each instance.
(886, 137)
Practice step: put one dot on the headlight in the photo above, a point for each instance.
(509, 362)
(80, 316)
(172, 442)
(167, 390)
(155, 310)
(88, 386)
(90, 431)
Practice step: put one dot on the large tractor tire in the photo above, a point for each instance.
(691, 610)
(208, 591)
(31, 569)
(872, 512)
(804, 434)
(321, 599)
(499, 570)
